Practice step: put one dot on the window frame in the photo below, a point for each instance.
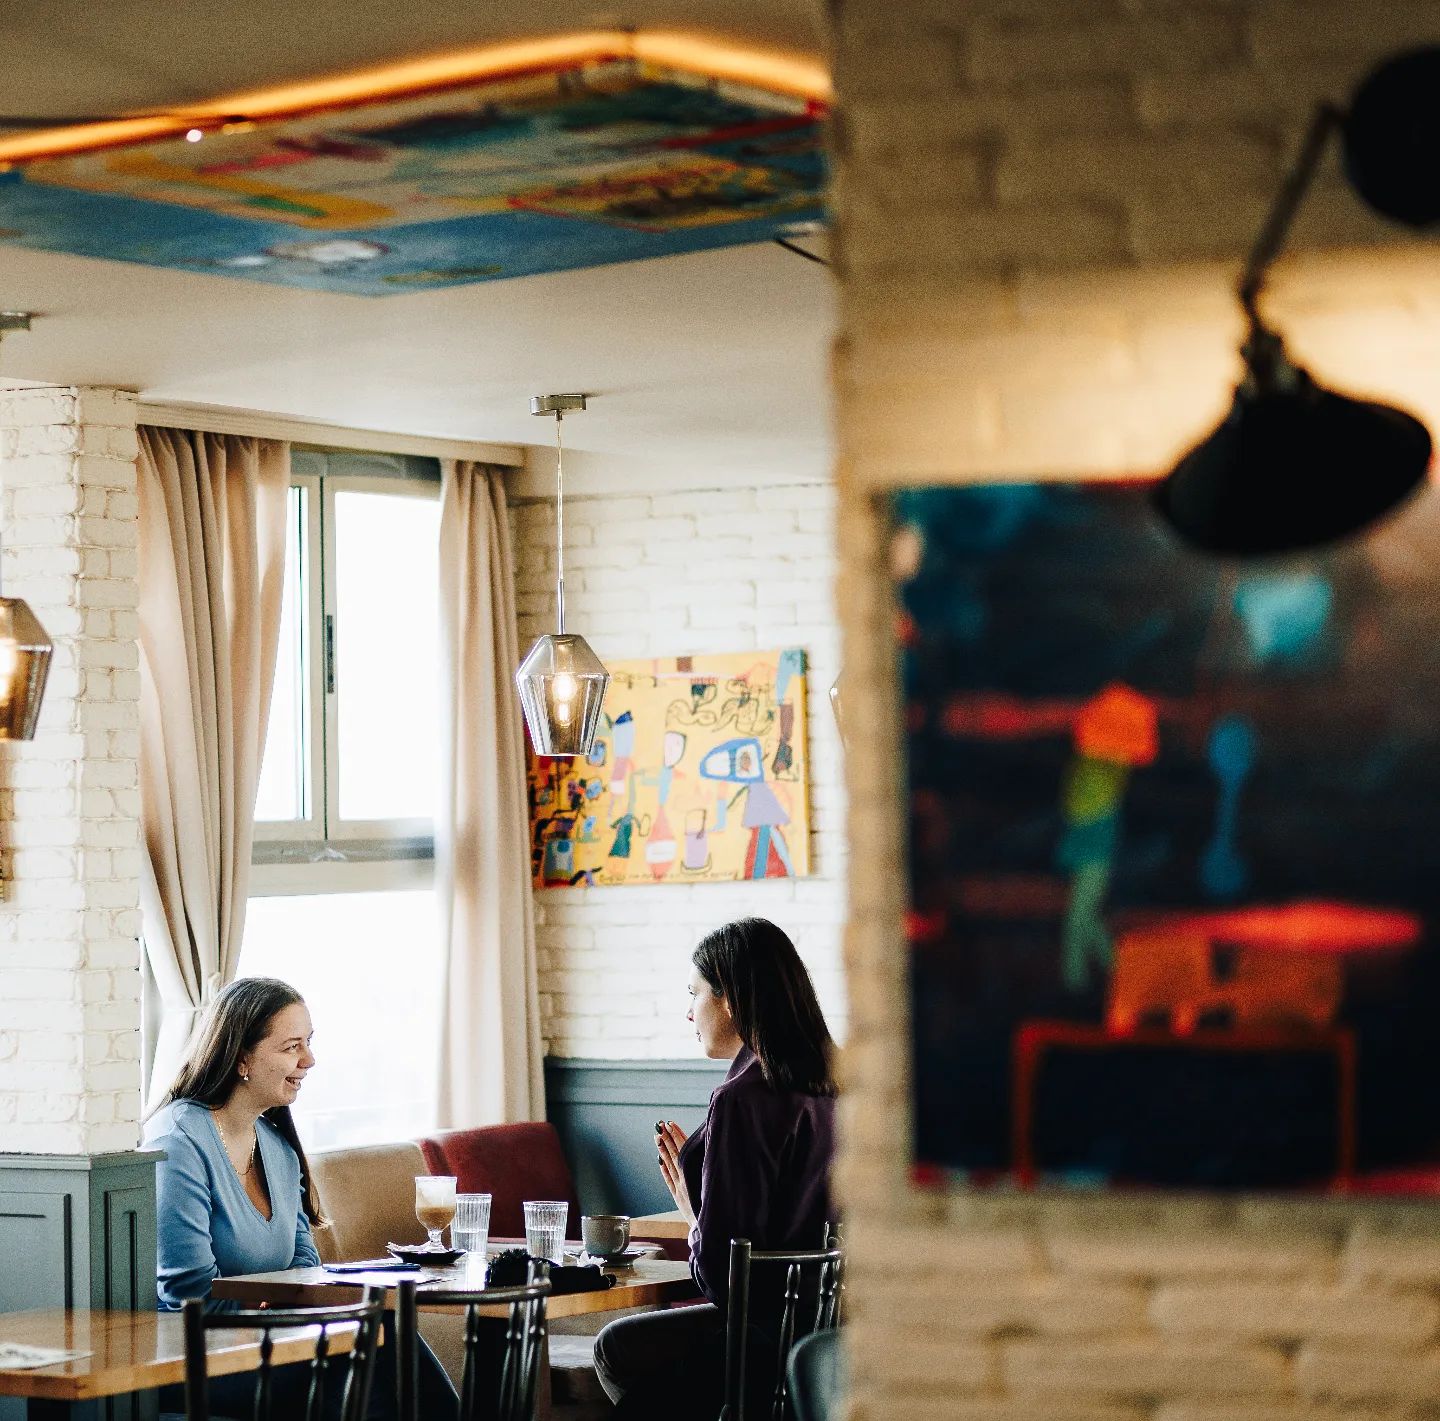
(321, 837)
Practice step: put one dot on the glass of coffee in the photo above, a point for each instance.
(434, 1205)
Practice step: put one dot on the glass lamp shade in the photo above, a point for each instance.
(562, 688)
(24, 665)
(1293, 467)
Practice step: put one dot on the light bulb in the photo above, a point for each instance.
(194, 135)
(9, 660)
(562, 712)
(564, 686)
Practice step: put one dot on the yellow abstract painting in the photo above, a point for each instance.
(699, 773)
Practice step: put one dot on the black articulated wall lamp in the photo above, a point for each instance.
(1294, 465)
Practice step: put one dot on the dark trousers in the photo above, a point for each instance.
(233, 1397)
(669, 1366)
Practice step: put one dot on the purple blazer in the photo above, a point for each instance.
(758, 1168)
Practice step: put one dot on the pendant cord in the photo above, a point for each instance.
(559, 526)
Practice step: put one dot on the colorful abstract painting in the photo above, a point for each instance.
(1173, 844)
(605, 162)
(699, 772)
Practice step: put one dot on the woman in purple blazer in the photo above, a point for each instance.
(758, 1168)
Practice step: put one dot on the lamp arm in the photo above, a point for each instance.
(1271, 237)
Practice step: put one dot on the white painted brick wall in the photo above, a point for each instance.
(70, 799)
(717, 570)
(1041, 208)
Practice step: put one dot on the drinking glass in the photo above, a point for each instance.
(434, 1205)
(471, 1229)
(545, 1221)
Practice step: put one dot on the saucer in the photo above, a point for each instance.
(426, 1257)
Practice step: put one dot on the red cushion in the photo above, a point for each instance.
(511, 1163)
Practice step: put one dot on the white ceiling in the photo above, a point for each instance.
(703, 366)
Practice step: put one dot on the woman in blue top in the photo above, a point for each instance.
(233, 1193)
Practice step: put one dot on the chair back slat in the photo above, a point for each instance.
(828, 1265)
(514, 1386)
(533, 1347)
(407, 1345)
(197, 1396)
(737, 1323)
(787, 1335)
(358, 1362)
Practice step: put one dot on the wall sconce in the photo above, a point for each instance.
(561, 681)
(1294, 465)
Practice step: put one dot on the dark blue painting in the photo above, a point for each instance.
(1174, 847)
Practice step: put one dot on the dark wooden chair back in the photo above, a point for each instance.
(510, 1396)
(354, 1366)
(827, 1268)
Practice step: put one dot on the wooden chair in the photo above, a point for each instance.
(519, 1363)
(828, 1266)
(358, 1361)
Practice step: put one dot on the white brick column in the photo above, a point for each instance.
(1041, 209)
(70, 799)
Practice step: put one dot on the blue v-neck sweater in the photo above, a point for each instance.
(208, 1227)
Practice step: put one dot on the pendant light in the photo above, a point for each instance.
(24, 648)
(561, 681)
(1294, 465)
(24, 665)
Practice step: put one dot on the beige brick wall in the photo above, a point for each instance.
(69, 799)
(704, 570)
(1041, 207)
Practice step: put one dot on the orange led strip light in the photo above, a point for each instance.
(777, 73)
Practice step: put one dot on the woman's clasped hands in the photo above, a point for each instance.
(668, 1139)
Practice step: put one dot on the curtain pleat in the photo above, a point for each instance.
(212, 571)
(491, 1069)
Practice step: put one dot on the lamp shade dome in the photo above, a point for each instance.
(1293, 467)
(1392, 138)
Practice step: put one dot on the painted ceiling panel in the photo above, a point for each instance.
(600, 163)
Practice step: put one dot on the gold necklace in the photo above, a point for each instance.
(225, 1140)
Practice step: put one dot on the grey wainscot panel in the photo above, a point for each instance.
(606, 1111)
(78, 1231)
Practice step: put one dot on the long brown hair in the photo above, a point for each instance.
(754, 966)
(237, 1021)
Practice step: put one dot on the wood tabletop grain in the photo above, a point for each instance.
(135, 1351)
(670, 1225)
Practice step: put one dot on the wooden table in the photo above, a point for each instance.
(650, 1282)
(130, 1352)
(664, 1227)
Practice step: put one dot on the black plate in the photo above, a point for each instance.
(425, 1257)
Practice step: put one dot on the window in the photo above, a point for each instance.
(341, 899)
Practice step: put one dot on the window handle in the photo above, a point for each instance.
(329, 655)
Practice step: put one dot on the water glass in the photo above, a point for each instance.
(545, 1221)
(471, 1229)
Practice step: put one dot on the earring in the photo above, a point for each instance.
(244, 1077)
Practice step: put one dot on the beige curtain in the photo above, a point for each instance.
(490, 1069)
(212, 568)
